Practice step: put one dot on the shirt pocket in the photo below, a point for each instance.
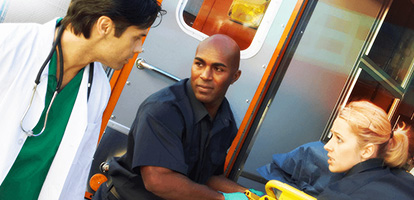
(193, 157)
(218, 155)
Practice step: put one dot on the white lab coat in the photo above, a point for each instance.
(23, 49)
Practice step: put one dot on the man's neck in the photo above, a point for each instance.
(212, 109)
(77, 53)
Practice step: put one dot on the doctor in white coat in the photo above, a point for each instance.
(93, 31)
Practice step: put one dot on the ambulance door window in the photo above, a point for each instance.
(387, 65)
(393, 48)
(246, 21)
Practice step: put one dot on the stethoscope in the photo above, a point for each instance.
(56, 43)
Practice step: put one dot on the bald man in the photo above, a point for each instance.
(177, 144)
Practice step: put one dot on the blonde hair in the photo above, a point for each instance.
(370, 123)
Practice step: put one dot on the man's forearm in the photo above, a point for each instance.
(223, 184)
(171, 185)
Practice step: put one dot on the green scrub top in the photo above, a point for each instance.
(28, 173)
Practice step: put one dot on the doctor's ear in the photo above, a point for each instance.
(104, 25)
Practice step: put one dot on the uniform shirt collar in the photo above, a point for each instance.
(198, 108)
(366, 165)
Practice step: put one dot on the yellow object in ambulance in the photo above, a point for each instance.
(248, 12)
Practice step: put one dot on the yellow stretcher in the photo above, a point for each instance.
(277, 190)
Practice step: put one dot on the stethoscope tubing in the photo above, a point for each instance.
(52, 50)
(55, 44)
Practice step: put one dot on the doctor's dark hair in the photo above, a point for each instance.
(82, 14)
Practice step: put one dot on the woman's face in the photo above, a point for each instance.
(343, 149)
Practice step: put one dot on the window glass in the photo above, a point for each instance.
(248, 12)
(240, 19)
(393, 49)
(367, 88)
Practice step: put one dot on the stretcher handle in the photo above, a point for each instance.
(287, 192)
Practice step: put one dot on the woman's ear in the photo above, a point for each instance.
(369, 151)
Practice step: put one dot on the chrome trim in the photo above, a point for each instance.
(142, 64)
(351, 87)
(383, 78)
(119, 127)
(381, 17)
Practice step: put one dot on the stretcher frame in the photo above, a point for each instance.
(276, 190)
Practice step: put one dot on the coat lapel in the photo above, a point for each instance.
(71, 140)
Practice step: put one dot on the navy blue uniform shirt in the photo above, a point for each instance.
(372, 180)
(173, 130)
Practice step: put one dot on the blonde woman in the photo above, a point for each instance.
(372, 155)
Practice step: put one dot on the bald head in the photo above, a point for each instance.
(225, 46)
(215, 68)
